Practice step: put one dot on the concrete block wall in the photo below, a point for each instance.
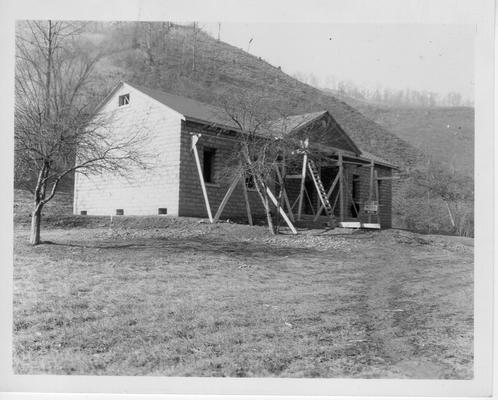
(172, 181)
(385, 195)
(142, 192)
(191, 198)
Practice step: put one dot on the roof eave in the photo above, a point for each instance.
(107, 98)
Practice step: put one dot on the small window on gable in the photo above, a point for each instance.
(208, 167)
(124, 99)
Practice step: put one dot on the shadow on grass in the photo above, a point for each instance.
(196, 244)
(85, 246)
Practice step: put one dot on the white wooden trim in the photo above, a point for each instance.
(226, 198)
(370, 225)
(195, 139)
(350, 224)
(282, 213)
(284, 195)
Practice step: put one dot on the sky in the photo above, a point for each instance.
(426, 57)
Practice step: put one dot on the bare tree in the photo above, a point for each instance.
(261, 145)
(56, 133)
(456, 192)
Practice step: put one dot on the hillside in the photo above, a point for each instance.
(185, 61)
(180, 61)
(446, 133)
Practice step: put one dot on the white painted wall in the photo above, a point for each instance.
(143, 191)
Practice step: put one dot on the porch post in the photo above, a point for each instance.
(341, 187)
(195, 139)
(303, 179)
(370, 189)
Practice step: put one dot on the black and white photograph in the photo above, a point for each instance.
(246, 199)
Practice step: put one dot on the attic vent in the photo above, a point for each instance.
(124, 99)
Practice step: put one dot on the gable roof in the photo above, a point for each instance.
(294, 123)
(376, 159)
(189, 108)
(209, 114)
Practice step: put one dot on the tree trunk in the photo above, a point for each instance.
(266, 205)
(35, 226)
(452, 220)
(261, 190)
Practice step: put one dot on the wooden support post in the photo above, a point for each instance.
(195, 139)
(350, 196)
(246, 198)
(376, 180)
(295, 202)
(226, 198)
(303, 180)
(335, 201)
(370, 189)
(284, 194)
(341, 187)
(336, 179)
(309, 201)
(282, 213)
(284, 191)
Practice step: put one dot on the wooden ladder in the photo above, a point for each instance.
(319, 187)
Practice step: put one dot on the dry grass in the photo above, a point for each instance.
(195, 299)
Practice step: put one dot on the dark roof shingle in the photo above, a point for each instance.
(190, 108)
(207, 113)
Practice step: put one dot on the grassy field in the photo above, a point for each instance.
(188, 298)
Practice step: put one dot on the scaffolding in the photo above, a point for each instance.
(366, 213)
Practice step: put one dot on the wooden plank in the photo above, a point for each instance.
(301, 190)
(195, 139)
(335, 202)
(309, 200)
(350, 196)
(341, 188)
(284, 194)
(226, 198)
(350, 224)
(376, 184)
(246, 199)
(336, 179)
(370, 225)
(295, 202)
(322, 196)
(282, 213)
(370, 189)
